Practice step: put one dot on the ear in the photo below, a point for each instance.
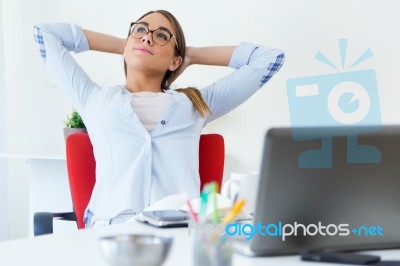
(175, 63)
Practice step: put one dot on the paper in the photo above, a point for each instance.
(178, 202)
(172, 202)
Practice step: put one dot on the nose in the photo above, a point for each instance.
(147, 38)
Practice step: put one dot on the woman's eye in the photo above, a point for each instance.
(140, 29)
(162, 35)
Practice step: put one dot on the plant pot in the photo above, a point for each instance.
(68, 131)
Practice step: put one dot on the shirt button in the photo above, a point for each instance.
(163, 122)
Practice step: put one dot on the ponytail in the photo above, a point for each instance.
(196, 98)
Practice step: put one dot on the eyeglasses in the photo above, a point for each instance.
(160, 36)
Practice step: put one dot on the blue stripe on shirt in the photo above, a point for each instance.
(273, 68)
(40, 42)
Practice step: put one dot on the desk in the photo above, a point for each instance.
(80, 248)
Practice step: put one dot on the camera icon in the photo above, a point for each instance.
(345, 104)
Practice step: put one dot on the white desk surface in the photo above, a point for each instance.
(81, 248)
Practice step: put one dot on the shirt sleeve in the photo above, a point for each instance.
(254, 65)
(55, 42)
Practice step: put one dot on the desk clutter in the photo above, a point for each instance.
(207, 217)
(178, 211)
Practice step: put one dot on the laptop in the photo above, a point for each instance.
(339, 188)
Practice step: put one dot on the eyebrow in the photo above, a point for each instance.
(159, 28)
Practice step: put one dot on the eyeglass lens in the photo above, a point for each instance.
(159, 36)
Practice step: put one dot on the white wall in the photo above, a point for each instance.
(301, 27)
(3, 141)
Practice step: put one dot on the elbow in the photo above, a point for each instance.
(273, 67)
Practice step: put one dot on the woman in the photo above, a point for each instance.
(146, 137)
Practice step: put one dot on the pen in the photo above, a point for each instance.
(235, 210)
(214, 190)
(235, 198)
(204, 199)
(228, 218)
(191, 211)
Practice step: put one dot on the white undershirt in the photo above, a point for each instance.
(150, 106)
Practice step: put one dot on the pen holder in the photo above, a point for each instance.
(212, 247)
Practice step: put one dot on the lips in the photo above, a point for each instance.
(143, 50)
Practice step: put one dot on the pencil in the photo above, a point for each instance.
(234, 211)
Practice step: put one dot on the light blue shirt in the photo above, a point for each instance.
(135, 168)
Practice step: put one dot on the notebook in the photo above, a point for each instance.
(354, 202)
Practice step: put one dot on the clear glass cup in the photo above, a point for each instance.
(212, 247)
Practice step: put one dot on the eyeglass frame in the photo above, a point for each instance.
(152, 32)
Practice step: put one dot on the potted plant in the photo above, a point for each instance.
(73, 124)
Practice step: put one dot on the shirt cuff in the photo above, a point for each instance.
(80, 40)
(241, 55)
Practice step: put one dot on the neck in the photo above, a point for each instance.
(142, 82)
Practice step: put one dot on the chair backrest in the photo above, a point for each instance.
(81, 167)
(211, 159)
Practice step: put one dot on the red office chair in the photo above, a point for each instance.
(81, 167)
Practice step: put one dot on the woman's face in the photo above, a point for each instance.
(145, 55)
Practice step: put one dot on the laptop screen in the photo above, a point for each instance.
(324, 191)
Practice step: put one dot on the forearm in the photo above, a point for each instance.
(55, 42)
(104, 43)
(213, 55)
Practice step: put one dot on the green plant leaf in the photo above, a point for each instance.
(74, 120)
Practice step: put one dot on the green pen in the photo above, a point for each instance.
(204, 197)
(214, 191)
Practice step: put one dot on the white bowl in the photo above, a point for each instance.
(129, 250)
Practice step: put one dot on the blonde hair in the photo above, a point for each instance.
(193, 94)
(197, 100)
